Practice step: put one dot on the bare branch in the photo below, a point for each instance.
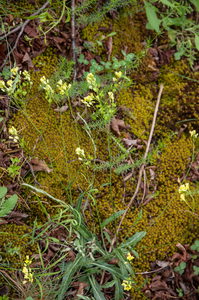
(142, 166)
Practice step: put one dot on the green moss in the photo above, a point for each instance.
(12, 236)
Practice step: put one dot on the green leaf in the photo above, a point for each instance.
(68, 17)
(109, 268)
(79, 202)
(99, 43)
(8, 205)
(1, 119)
(182, 265)
(130, 56)
(180, 52)
(197, 41)
(166, 2)
(3, 191)
(111, 34)
(137, 237)
(195, 3)
(93, 62)
(112, 218)
(108, 237)
(96, 288)
(118, 289)
(53, 239)
(152, 17)
(109, 284)
(120, 255)
(29, 298)
(70, 269)
(116, 65)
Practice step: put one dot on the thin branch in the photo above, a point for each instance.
(22, 27)
(73, 36)
(142, 166)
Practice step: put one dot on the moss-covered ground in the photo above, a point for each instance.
(54, 138)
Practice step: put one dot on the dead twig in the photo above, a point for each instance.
(73, 37)
(142, 166)
(21, 28)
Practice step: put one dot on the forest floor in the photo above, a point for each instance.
(134, 169)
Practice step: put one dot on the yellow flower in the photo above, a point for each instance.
(2, 84)
(128, 284)
(111, 96)
(80, 152)
(129, 256)
(183, 188)
(88, 100)
(193, 133)
(182, 197)
(118, 74)
(9, 82)
(15, 70)
(12, 130)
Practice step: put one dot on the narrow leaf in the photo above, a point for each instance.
(109, 268)
(79, 202)
(137, 237)
(70, 269)
(109, 284)
(96, 288)
(112, 218)
(197, 41)
(118, 289)
(195, 3)
(166, 2)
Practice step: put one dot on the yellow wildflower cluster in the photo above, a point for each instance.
(111, 96)
(63, 87)
(118, 75)
(128, 284)
(90, 78)
(10, 85)
(27, 271)
(80, 152)
(14, 134)
(182, 190)
(88, 101)
(129, 256)
(15, 70)
(193, 133)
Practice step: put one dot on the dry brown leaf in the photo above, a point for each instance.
(81, 286)
(152, 173)
(158, 285)
(27, 59)
(31, 33)
(109, 46)
(61, 109)
(181, 247)
(40, 165)
(162, 263)
(130, 142)
(18, 56)
(65, 35)
(152, 68)
(16, 214)
(116, 123)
